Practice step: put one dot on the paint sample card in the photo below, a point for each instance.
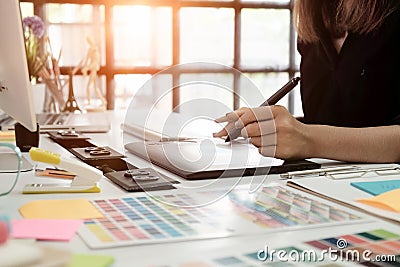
(378, 244)
(141, 220)
(146, 219)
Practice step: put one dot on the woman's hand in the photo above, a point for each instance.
(272, 129)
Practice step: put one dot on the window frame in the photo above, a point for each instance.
(109, 70)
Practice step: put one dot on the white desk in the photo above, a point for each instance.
(171, 253)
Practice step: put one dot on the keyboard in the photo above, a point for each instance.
(96, 122)
(50, 118)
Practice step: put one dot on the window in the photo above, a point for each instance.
(140, 38)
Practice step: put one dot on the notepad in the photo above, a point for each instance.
(377, 187)
(59, 209)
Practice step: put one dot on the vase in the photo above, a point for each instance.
(38, 95)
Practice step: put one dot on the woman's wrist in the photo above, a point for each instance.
(311, 145)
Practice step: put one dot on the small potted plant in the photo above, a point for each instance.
(33, 33)
(34, 30)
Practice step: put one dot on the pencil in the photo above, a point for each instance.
(235, 132)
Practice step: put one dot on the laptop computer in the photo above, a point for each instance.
(96, 122)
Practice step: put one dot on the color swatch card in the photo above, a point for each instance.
(146, 219)
(377, 187)
(378, 247)
(276, 207)
(143, 220)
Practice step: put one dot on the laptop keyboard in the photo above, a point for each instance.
(42, 119)
(95, 122)
(51, 119)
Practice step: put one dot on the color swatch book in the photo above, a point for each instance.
(342, 192)
(145, 219)
(378, 247)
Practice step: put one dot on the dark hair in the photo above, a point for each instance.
(313, 17)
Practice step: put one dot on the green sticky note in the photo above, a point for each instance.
(88, 260)
(384, 234)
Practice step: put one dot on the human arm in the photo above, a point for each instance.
(277, 133)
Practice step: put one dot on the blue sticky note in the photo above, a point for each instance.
(377, 187)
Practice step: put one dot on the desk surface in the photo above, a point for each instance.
(171, 254)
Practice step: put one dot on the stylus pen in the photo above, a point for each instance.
(235, 132)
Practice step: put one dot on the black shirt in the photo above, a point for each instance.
(360, 86)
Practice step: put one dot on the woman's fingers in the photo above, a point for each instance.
(221, 119)
(259, 129)
(231, 116)
(272, 129)
(245, 117)
(256, 114)
(225, 130)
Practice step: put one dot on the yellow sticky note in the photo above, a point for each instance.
(387, 201)
(60, 209)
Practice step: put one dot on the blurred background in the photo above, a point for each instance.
(139, 38)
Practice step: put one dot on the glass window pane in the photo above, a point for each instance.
(297, 56)
(207, 35)
(71, 39)
(143, 36)
(298, 108)
(26, 9)
(265, 37)
(150, 91)
(126, 86)
(211, 96)
(267, 84)
(69, 13)
(69, 25)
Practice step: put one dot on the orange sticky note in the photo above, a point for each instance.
(60, 209)
(387, 201)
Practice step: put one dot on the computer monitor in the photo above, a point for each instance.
(15, 87)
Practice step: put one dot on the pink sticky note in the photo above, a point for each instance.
(43, 229)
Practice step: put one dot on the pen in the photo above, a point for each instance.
(235, 132)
